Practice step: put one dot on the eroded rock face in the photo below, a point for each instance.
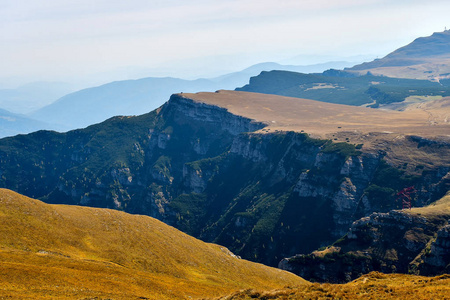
(397, 242)
(437, 260)
(205, 171)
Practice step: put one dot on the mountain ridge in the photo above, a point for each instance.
(138, 96)
(345, 87)
(264, 194)
(424, 58)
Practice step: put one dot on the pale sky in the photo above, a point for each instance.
(69, 39)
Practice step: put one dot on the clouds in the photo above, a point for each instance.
(48, 37)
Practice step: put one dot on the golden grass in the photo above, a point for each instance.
(375, 129)
(440, 208)
(371, 286)
(322, 119)
(70, 252)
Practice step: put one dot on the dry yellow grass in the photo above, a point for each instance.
(69, 252)
(371, 286)
(375, 129)
(323, 119)
(440, 208)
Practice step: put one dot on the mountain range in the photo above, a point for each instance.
(427, 56)
(320, 189)
(32, 96)
(12, 124)
(127, 97)
(248, 177)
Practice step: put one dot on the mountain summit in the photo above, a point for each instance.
(424, 58)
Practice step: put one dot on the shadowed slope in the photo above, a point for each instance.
(66, 252)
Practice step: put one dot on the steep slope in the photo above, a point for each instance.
(413, 241)
(235, 168)
(424, 58)
(67, 252)
(343, 87)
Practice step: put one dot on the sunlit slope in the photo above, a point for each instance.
(324, 119)
(70, 252)
(424, 58)
(374, 286)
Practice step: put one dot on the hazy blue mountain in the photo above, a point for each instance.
(128, 97)
(12, 124)
(233, 80)
(135, 97)
(32, 96)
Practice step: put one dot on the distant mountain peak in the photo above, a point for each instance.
(424, 58)
(438, 44)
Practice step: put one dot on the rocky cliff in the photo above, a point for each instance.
(212, 174)
(415, 242)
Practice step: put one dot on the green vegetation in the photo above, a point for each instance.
(162, 165)
(350, 90)
(386, 183)
(344, 149)
(265, 196)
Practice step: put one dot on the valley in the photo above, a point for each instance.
(293, 186)
(239, 182)
(72, 252)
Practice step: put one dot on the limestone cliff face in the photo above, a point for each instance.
(198, 167)
(437, 259)
(393, 242)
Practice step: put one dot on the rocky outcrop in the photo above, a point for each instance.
(206, 171)
(394, 242)
(437, 259)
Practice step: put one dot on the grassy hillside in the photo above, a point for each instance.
(438, 209)
(70, 252)
(371, 286)
(265, 195)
